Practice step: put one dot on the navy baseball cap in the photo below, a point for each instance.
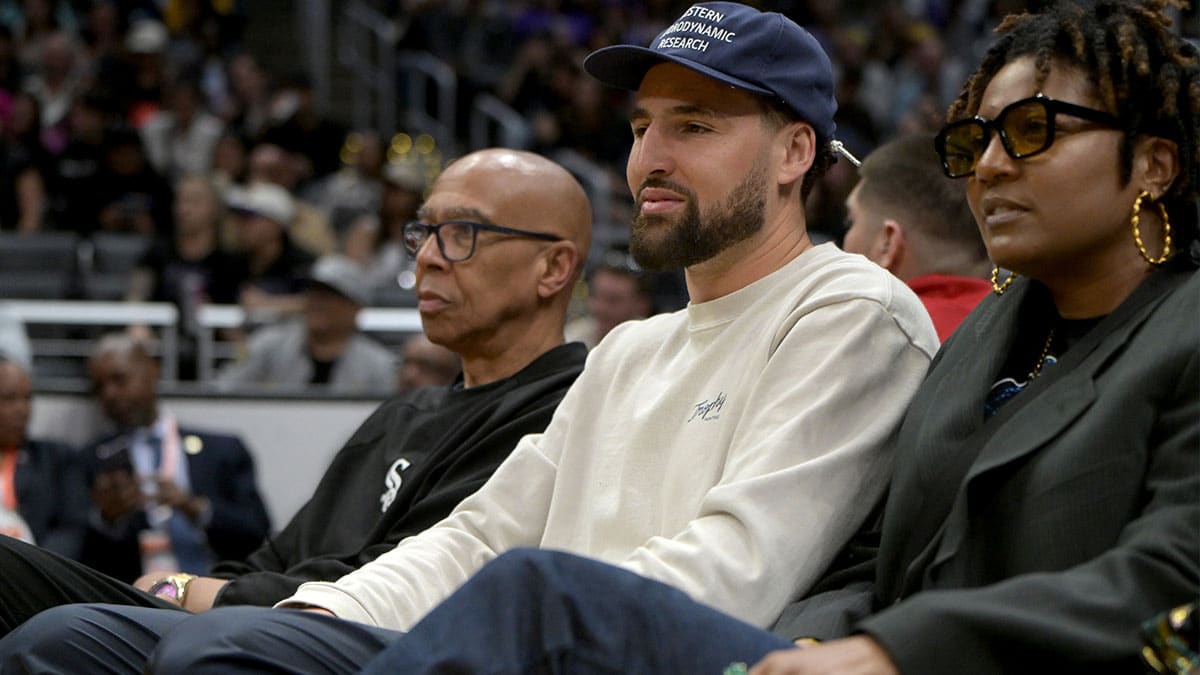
(762, 52)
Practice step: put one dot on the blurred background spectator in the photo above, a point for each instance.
(270, 268)
(357, 188)
(325, 348)
(190, 269)
(24, 165)
(73, 202)
(424, 364)
(376, 240)
(126, 115)
(163, 493)
(180, 138)
(617, 291)
(131, 195)
(309, 227)
(41, 482)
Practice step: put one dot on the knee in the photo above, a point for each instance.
(540, 572)
(191, 648)
(521, 566)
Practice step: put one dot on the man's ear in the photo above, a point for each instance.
(558, 264)
(892, 245)
(799, 153)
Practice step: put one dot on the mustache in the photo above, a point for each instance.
(664, 184)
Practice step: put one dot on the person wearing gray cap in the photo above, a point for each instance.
(729, 449)
(270, 267)
(322, 349)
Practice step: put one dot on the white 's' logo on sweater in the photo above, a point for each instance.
(392, 480)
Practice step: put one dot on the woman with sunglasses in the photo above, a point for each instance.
(1046, 496)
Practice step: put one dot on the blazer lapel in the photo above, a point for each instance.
(1053, 401)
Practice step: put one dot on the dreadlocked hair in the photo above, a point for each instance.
(1144, 73)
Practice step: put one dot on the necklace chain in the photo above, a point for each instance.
(1037, 367)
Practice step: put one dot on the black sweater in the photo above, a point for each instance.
(442, 443)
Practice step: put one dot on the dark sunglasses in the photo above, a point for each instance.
(1025, 127)
(456, 238)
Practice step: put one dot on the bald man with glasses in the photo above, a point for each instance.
(499, 302)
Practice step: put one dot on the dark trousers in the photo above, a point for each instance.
(118, 639)
(528, 612)
(34, 579)
(543, 612)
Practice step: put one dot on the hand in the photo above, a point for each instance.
(319, 610)
(170, 494)
(858, 655)
(116, 494)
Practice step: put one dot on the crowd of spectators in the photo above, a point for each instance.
(149, 116)
(898, 65)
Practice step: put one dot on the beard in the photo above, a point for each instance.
(658, 244)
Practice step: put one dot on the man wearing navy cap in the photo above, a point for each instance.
(728, 450)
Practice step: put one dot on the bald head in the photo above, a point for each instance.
(529, 189)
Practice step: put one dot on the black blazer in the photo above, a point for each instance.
(1038, 540)
(222, 471)
(52, 496)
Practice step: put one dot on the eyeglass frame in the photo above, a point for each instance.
(435, 230)
(996, 125)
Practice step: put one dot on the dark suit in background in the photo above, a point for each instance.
(221, 471)
(52, 496)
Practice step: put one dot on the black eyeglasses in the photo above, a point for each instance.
(1026, 127)
(456, 238)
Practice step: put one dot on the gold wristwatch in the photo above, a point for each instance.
(172, 587)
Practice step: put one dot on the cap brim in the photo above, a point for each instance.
(324, 286)
(624, 66)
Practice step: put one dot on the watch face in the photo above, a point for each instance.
(165, 589)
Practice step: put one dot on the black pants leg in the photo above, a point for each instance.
(34, 579)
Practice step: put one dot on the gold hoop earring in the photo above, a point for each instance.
(997, 287)
(1135, 220)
